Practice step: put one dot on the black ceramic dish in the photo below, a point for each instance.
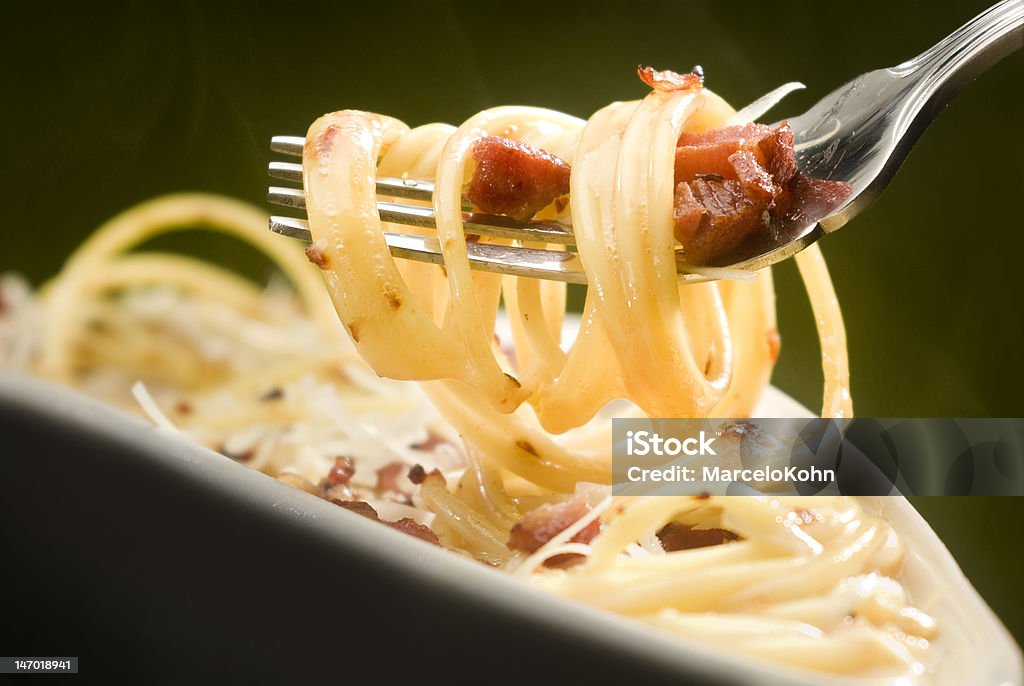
(152, 558)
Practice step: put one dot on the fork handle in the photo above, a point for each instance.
(941, 72)
(898, 104)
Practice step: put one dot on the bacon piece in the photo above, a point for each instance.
(687, 212)
(433, 441)
(315, 254)
(406, 525)
(675, 536)
(360, 507)
(515, 179)
(410, 526)
(418, 475)
(391, 485)
(540, 525)
(335, 486)
(755, 179)
(727, 207)
(340, 472)
(730, 216)
(669, 81)
(780, 156)
(812, 199)
(740, 180)
(388, 475)
(745, 132)
(711, 159)
(711, 152)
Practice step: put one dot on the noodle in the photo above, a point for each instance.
(277, 383)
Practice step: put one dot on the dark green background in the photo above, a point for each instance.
(107, 106)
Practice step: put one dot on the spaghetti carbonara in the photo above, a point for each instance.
(501, 452)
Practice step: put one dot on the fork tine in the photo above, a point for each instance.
(291, 227)
(499, 259)
(423, 217)
(287, 197)
(288, 145)
(286, 171)
(410, 189)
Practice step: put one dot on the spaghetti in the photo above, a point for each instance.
(514, 443)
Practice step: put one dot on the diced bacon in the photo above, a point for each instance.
(669, 81)
(434, 440)
(360, 507)
(709, 159)
(740, 180)
(392, 483)
(815, 198)
(755, 179)
(315, 254)
(540, 525)
(406, 525)
(515, 179)
(730, 217)
(747, 132)
(675, 537)
(340, 472)
(780, 157)
(687, 213)
(335, 484)
(388, 477)
(417, 474)
(721, 198)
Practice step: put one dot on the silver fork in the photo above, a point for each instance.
(860, 133)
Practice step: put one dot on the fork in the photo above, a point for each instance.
(859, 133)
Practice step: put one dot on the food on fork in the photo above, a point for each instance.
(515, 179)
(731, 183)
